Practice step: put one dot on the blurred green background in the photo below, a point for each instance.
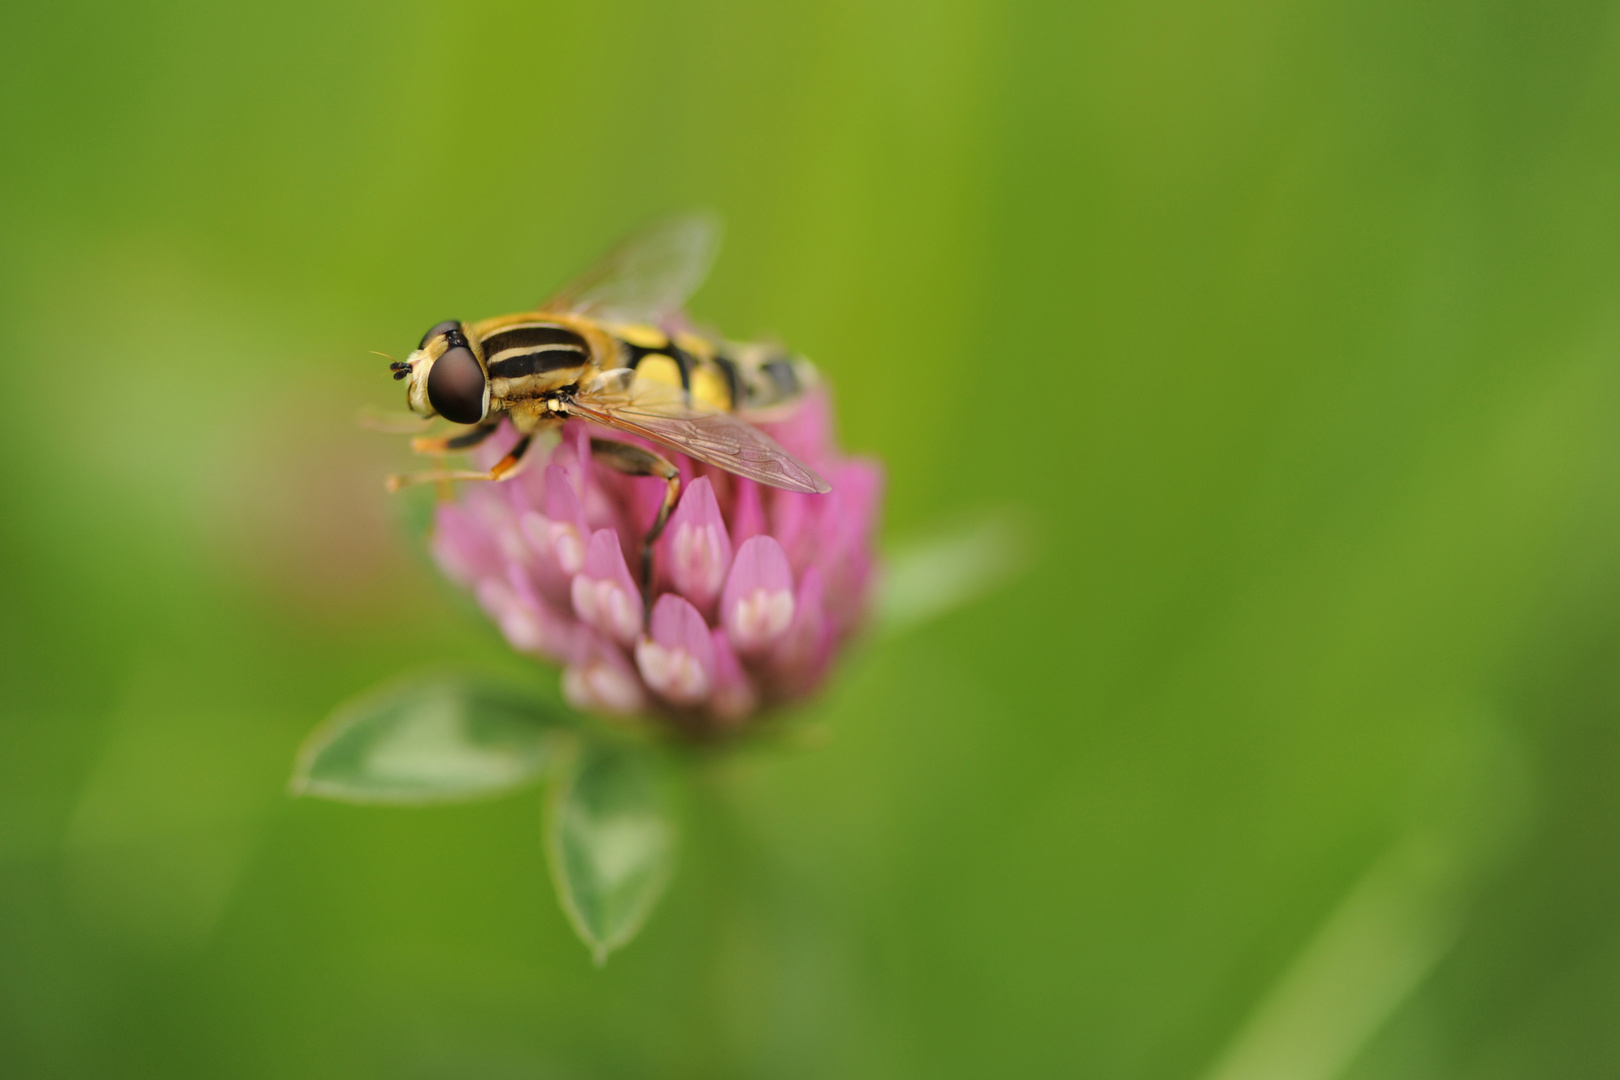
(1292, 328)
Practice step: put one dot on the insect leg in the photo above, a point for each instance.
(635, 461)
(447, 443)
(508, 466)
(504, 469)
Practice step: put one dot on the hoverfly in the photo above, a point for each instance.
(611, 348)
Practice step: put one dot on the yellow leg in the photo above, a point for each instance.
(504, 469)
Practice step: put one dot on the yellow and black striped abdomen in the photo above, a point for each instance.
(735, 378)
(769, 377)
(684, 362)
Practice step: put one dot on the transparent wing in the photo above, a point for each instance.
(648, 276)
(716, 438)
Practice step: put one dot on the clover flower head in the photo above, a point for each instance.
(754, 589)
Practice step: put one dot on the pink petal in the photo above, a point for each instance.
(801, 658)
(603, 593)
(677, 658)
(733, 696)
(793, 523)
(756, 605)
(806, 432)
(697, 551)
(557, 546)
(601, 680)
(843, 548)
(489, 511)
(858, 489)
(561, 501)
(559, 535)
(573, 454)
(747, 514)
(463, 547)
(527, 626)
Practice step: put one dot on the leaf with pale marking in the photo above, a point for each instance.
(442, 738)
(610, 837)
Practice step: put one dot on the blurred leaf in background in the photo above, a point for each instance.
(431, 739)
(1290, 328)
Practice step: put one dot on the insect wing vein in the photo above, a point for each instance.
(715, 438)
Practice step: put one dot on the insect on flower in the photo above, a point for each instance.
(676, 548)
(610, 349)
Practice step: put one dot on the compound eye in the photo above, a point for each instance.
(438, 328)
(455, 386)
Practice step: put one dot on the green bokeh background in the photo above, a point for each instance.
(1291, 328)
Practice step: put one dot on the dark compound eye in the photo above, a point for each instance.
(455, 386)
(448, 324)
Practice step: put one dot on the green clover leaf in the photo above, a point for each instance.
(434, 739)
